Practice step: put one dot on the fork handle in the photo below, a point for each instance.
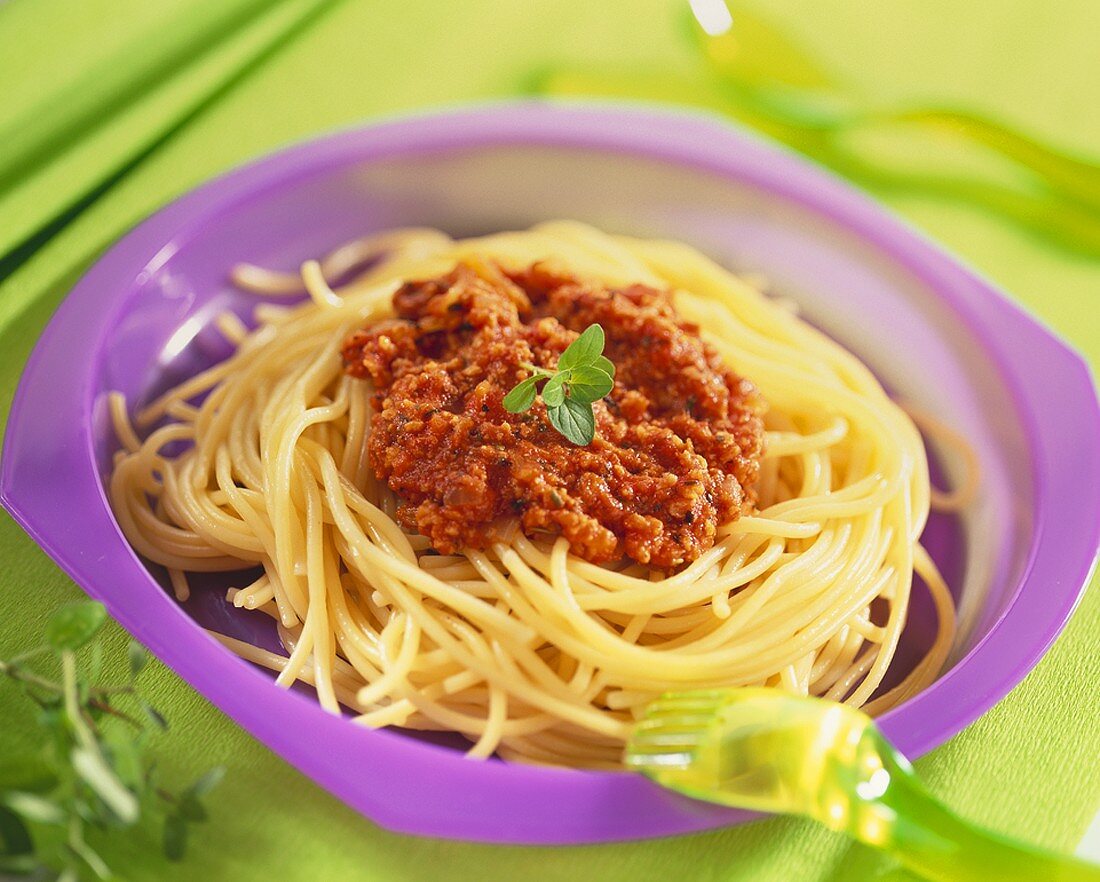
(1075, 177)
(936, 843)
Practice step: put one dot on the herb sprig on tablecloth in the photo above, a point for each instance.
(94, 772)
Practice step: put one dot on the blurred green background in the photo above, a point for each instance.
(1034, 65)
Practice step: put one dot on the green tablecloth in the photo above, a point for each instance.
(1028, 767)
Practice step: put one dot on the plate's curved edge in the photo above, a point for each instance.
(1064, 552)
(690, 141)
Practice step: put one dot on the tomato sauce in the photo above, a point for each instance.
(678, 440)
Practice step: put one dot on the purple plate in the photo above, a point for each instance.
(931, 328)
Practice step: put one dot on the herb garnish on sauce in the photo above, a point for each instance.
(583, 376)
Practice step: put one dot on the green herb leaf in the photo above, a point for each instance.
(27, 771)
(522, 396)
(153, 714)
(606, 365)
(206, 783)
(74, 625)
(34, 807)
(14, 836)
(575, 420)
(553, 393)
(136, 656)
(175, 837)
(588, 384)
(93, 814)
(584, 375)
(20, 864)
(93, 769)
(584, 350)
(190, 809)
(125, 757)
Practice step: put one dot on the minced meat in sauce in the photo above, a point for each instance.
(678, 440)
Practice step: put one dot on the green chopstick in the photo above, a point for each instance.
(32, 146)
(64, 118)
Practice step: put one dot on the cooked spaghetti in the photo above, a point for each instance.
(519, 635)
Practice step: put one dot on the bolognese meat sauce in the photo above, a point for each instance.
(677, 444)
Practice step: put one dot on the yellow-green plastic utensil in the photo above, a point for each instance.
(771, 75)
(766, 750)
(753, 71)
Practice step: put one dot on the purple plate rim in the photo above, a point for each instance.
(494, 802)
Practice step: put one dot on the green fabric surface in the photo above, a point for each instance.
(1026, 768)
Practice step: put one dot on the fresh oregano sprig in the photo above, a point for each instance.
(583, 376)
(93, 775)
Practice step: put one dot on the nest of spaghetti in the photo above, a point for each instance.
(748, 512)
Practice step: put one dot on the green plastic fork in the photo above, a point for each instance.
(763, 77)
(765, 750)
(767, 72)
